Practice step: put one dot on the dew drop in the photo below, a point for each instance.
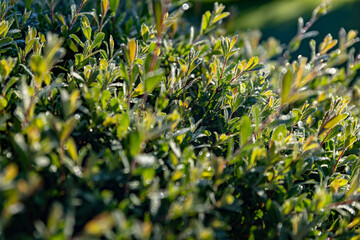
(53, 168)
(185, 6)
(332, 70)
(77, 171)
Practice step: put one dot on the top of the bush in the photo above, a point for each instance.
(120, 120)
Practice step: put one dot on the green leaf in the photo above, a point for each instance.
(233, 41)
(153, 79)
(158, 14)
(205, 22)
(4, 28)
(245, 129)
(67, 129)
(135, 140)
(98, 40)
(334, 132)
(3, 103)
(335, 120)
(71, 149)
(251, 63)
(123, 126)
(38, 65)
(87, 32)
(77, 40)
(112, 45)
(5, 41)
(279, 133)
(353, 185)
(286, 86)
(256, 114)
(220, 16)
(30, 45)
(9, 84)
(114, 4)
(349, 141)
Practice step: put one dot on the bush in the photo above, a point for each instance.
(119, 120)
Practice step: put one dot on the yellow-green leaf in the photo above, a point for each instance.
(132, 50)
(220, 16)
(251, 63)
(286, 86)
(233, 41)
(205, 22)
(335, 120)
(100, 224)
(104, 7)
(158, 14)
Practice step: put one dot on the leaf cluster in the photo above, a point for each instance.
(119, 120)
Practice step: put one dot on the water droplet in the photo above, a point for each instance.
(185, 6)
(53, 168)
(91, 130)
(77, 116)
(77, 171)
(9, 155)
(332, 70)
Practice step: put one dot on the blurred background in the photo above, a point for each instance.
(278, 18)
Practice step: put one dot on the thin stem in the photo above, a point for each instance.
(155, 56)
(114, 24)
(232, 112)
(130, 87)
(223, 69)
(323, 141)
(101, 23)
(78, 11)
(347, 202)
(261, 129)
(299, 35)
(218, 88)
(51, 12)
(32, 99)
(236, 77)
(337, 161)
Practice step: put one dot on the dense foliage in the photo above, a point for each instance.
(120, 120)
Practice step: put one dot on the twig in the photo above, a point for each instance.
(323, 141)
(337, 161)
(77, 13)
(347, 202)
(155, 55)
(51, 12)
(261, 129)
